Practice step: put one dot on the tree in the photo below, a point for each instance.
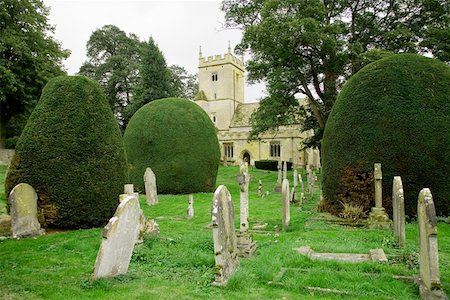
(154, 79)
(113, 61)
(29, 57)
(312, 46)
(184, 85)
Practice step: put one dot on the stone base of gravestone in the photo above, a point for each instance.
(277, 188)
(378, 219)
(427, 294)
(245, 244)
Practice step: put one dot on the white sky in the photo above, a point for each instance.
(178, 27)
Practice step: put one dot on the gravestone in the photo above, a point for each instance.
(284, 170)
(277, 188)
(302, 193)
(378, 217)
(119, 238)
(190, 209)
(260, 191)
(128, 189)
(224, 236)
(23, 210)
(398, 211)
(150, 187)
(245, 244)
(286, 214)
(430, 287)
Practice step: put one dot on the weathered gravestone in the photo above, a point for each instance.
(286, 214)
(23, 209)
(190, 209)
(260, 191)
(378, 217)
(277, 188)
(430, 287)
(294, 193)
(150, 187)
(398, 205)
(224, 236)
(119, 238)
(302, 193)
(246, 245)
(285, 170)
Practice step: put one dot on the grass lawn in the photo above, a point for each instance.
(179, 263)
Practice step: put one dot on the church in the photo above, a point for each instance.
(221, 95)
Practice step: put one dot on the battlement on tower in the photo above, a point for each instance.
(215, 60)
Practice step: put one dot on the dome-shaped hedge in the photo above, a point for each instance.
(395, 111)
(71, 152)
(178, 141)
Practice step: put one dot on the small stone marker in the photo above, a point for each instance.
(284, 170)
(430, 287)
(128, 189)
(302, 193)
(398, 205)
(150, 187)
(119, 238)
(23, 209)
(260, 191)
(224, 236)
(378, 217)
(190, 209)
(277, 188)
(286, 215)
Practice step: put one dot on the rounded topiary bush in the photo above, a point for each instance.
(178, 141)
(71, 152)
(395, 111)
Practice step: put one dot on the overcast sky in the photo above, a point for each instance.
(178, 27)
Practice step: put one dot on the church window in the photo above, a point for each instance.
(214, 119)
(215, 96)
(214, 77)
(275, 149)
(228, 150)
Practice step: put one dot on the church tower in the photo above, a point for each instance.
(221, 87)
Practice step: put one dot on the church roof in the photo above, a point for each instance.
(241, 117)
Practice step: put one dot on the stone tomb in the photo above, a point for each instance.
(119, 238)
(430, 284)
(398, 209)
(224, 236)
(286, 212)
(150, 187)
(23, 209)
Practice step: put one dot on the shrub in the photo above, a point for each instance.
(175, 138)
(395, 111)
(71, 152)
(271, 165)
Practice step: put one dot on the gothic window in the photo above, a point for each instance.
(275, 149)
(228, 150)
(214, 77)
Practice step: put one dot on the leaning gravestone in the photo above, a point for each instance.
(23, 206)
(150, 187)
(286, 214)
(224, 236)
(398, 205)
(430, 287)
(119, 237)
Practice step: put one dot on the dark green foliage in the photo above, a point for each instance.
(29, 57)
(271, 165)
(178, 141)
(395, 111)
(72, 153)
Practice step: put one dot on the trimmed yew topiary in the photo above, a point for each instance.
(71, 152)
(395, 111)
(178, 141)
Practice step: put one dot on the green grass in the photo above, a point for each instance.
(179, 263)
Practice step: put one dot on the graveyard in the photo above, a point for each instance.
(179, 262)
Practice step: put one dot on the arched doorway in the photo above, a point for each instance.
(246, 157)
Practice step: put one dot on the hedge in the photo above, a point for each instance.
(395, 111)
(71, 152)
(178, 141)
(271, 165)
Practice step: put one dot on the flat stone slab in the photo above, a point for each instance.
(376, 255)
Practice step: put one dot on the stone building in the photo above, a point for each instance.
(221, 95)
